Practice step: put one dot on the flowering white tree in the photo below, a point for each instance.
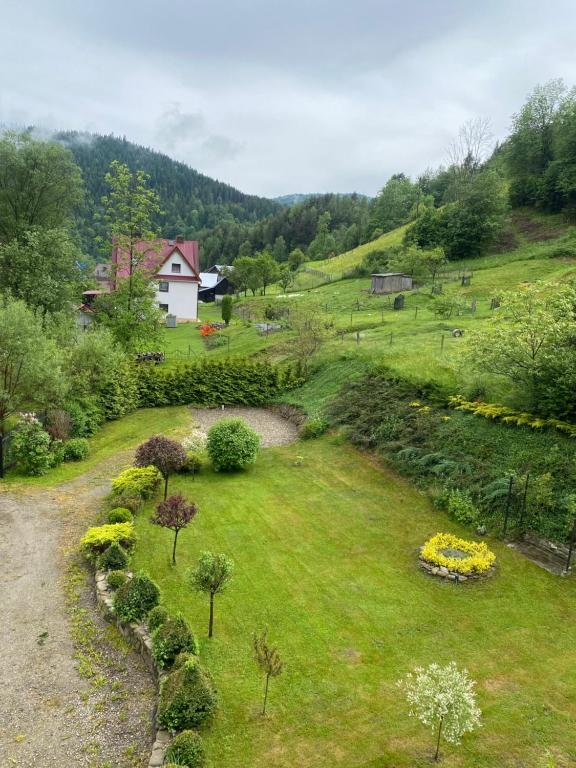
(442, 698)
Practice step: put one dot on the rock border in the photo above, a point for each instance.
(442, 572)
(139, 638)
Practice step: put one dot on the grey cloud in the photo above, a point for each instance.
(278, 97)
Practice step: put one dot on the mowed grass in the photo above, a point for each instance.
(111, 439)
(325, 548)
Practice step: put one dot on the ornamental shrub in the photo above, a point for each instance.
(186, 749)
(116, 579)
(85, 418)
(115, 558)
(314, 427)
(120, 515)
(461, 507)
(194, 464)
(132, 501)
(31, 446)
(157, 616)
(76, 449)
(140, 481)
(136, 598)
(170, 638)
(232, 445)
(97, 540)
(187, 698)
(437, 550)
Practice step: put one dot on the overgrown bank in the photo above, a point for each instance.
(466, 461)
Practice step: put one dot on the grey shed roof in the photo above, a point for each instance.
(389, 274)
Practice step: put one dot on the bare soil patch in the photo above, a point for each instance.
(273, 428)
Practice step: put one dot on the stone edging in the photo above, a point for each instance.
(442, 572)
(139, 638)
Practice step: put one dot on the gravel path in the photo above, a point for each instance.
(272, 428)
(50, 715)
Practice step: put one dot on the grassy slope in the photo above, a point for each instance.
(409, 341)
(327, 560)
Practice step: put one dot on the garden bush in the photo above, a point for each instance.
(314, 427)
(116, 579)
(187, 698)
(232, 445)
(132, 501)
(136, 598)
(31, 446)
(140, 481)
(86, 417)
(156, 617)
(76, 449)
(58, 424)
(171, 638)
(114, 558)
(186, 749)
(195, 463)
(120, 515)
(97, 540)
(461, 507)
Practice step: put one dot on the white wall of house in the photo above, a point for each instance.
(181, 299)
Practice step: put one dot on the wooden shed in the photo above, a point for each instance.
(390, 282)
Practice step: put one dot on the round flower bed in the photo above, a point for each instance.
(450, 557)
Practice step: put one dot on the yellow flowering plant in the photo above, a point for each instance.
(469, 557)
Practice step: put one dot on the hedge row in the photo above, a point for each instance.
(233, 381)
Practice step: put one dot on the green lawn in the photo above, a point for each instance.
(112, 438)
(326, 557)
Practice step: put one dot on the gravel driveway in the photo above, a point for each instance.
(272, 428)
(51, 716)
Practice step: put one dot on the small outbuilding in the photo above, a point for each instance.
(391, 282)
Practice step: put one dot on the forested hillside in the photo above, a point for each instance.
(191, 202)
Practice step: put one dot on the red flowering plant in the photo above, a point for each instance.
(206, 330)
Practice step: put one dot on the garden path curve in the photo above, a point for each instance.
(51, 716)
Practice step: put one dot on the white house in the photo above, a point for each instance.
(174, 266)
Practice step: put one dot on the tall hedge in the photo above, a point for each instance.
(218, 382)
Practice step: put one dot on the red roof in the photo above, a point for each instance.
(156, 254)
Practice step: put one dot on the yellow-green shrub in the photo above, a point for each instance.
(96, 540)
(142, 481)
(509, 415)
(479, 560)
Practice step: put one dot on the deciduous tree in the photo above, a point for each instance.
(166, 455)
(268, 660)
(211, 576)
(174, 513)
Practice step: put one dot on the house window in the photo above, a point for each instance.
(163, 286)
(176, 268)
(163, 307)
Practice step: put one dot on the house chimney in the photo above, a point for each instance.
(179, 239)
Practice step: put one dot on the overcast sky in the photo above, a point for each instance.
(279, 97)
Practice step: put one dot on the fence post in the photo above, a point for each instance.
(415, 313)
(508, 500)
(567, 567)
(357, 337)
(442, 344)
(523, 508)
(391, 339)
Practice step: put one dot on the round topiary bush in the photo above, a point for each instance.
(136, 598)
(97, 540)
(454, 555)
(170, 638)
(157, 616)
(115, 558)
(232, 445)
(116, 579)
(186, 749)
(120, 515)
(187, 697)
(76, 449)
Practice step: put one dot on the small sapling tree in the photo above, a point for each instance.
(268, 660)
(166, 455)
(442, 698)
(211, 576)
(174, 513)
(227, 309)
